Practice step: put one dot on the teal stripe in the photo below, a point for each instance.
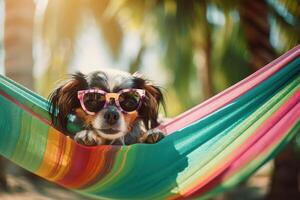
(18, 140)
(32, 100)
(9, 131)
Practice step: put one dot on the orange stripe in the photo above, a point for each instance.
(56, 159)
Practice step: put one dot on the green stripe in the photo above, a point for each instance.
(29, 153)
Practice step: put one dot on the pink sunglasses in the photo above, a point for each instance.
(126, 100)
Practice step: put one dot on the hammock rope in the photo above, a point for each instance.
(208, 149)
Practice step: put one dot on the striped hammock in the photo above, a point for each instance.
(208, 149)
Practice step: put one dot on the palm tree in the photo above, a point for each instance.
(286, 17)
(285, 182)
(256, 26)
(255, 19)
(18, 33)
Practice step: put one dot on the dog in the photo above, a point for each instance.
(114, 107)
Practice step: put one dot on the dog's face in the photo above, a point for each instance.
(110, 102)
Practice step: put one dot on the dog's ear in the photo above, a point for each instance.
(63, 100)
(151, 102)
(153, 99)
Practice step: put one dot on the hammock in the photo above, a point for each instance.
(208, 149)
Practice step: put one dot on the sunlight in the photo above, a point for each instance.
(215, 16)
(89, 55)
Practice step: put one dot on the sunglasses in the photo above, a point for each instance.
(94, 100)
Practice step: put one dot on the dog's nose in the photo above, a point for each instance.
(111, 116)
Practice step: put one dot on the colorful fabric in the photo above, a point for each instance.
(208, 149)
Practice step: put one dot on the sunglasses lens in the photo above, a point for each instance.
(94, 102)
(129, 101)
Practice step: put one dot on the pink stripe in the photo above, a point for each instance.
(276, 134)
(274, 129)
(229, 94)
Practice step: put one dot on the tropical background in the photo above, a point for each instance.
(193, 49)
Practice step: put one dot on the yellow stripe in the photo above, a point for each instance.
(51, 157)
(65, 163)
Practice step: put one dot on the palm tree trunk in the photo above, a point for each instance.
(18, 33)
(254, 19)
(285, 177)
(203, 50)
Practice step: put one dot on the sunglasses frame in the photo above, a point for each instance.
(109, 96)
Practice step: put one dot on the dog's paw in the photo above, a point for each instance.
(154, 137)
(88, 138)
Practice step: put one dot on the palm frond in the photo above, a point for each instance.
(288, 30)
(292, 6)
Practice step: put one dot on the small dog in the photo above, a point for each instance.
(114, 107)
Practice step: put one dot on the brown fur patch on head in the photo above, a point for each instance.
(130, 119)
(86, 118)
(152, 100)
(150, 106)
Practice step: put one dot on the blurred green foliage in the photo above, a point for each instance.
(204, 45)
